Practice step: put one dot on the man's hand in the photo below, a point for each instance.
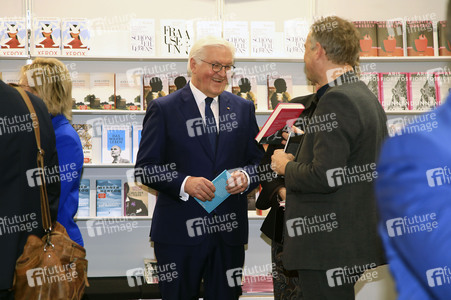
(295, 130)
(279, 161)
(200, 188)
(237, 183)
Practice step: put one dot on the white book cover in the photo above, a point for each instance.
(208, 28)
(13, 37)
(10, 77)
(81, 89)
(263, 39)
(154, 86)
(443, 86)
(295, 35)
(109, 198)
(116, 144)
(102, 90)
(176, 37)
(142, 37)
(371, 79)
(46, 37)
(394, 92)
(237, 32)
(245, 87)
(75, 37)
(136, 140)
(422, 91)
(128, 94)
(83, 198)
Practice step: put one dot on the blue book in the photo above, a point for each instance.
(221, 193)
(109, 198)
(83, 198)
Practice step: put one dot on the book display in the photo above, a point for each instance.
(136, 52)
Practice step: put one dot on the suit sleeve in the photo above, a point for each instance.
(404, 188)
(150, 162)
(330, 149)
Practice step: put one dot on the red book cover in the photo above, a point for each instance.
(442, 86)
(420, 41)
(284, 115)
(368, 37)
(389, 38)
(444, 47)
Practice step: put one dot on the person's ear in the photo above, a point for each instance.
(193, 65)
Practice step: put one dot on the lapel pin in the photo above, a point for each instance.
(228, 108)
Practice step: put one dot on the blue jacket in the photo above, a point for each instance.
(414, 197)
(70, 158)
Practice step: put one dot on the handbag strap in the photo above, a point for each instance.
(45, 210)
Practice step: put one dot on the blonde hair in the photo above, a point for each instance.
(51, 81)
(198, 49)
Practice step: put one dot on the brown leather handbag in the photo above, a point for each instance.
(54, 266)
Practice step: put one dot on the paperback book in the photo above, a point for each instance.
(245, 87)
(177, 81)
(13, 37)
(136, 140)
(116, 144)
(444, 47)
(127, 93)
(280, 89)
(83, 198)
(142, 37)
(154, 86)
(390, 38)
(101, 91)
(420, 41)
(263, 39)
(85, 133)
(422, 91)
(371, 79)
(81, 92)
(237, 32)
(109, 198)
(394, 92)
(442, 86)
(136, 200)
(295, 36)
(75, 37)
(220, 183)
(10, 77)
(177, 37)
(368, 37)
(208, 28)
(47, 37)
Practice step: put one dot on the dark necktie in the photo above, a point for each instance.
(210, 124)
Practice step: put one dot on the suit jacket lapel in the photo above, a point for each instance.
(191, 112)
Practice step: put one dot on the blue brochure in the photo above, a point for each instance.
(221, 194)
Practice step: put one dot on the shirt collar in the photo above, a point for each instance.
(198, 95)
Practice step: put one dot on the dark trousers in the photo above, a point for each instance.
(217, 263)
(316, 285)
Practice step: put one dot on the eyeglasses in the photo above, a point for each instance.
(218, 67)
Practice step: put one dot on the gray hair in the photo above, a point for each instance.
(198, 49)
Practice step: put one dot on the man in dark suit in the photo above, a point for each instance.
(20, 203)
(330, 232)
(189, 137)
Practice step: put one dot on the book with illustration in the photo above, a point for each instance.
(46, 37)
(116, 144)
(109, 198)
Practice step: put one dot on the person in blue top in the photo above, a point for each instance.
(413, 190)
(49, 79)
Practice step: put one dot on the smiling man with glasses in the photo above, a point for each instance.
(186, 131)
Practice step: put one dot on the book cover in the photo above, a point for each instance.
(295, 36)
(280, 89)
(371, 79)
(422, 91)
(245, 87)
(13, 37)
(394, 92)
(444, 47)
(237, 32)
(154, 86)
(135, 200)
(75, 37)
(283, 116)
(109, 198)
(368, 37)
(177, 81)
(127, 93)
(420, 41)
(151, 271)
(85, 133)
(101, 91)
(390, 38)
(136, 140)
(442, 86)
(116, 144)
(83, 198)
(263, 39)
(220, 183)
(10, 77)
(177, 37)
(142, 37)
(208, 28)
(46, 37)
(81, 92)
